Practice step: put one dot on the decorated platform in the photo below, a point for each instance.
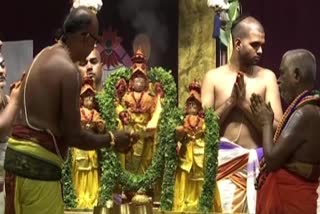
(155, 211)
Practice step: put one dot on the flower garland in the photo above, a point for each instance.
(211, 161)
(165, 159)
(226, 12)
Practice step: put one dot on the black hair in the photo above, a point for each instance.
(79, 19)
(238, 30)
(238, 20)
(58, 34)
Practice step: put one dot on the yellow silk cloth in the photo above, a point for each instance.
(190, 178)
(35, 196)
(85, 176)
(139, 159)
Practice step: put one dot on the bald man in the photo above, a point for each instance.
(228, 89)
(288, 184)
(51, 121)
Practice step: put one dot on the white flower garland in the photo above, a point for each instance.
(218, 5)
(92, 4)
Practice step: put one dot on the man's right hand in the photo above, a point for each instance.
(238, 91)
(16, 92)
(233, 99)
(241, 88)
(124, 141)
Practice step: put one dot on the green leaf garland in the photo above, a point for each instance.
(211, 161)
(164, 161)
(69, 195)
(165, 158)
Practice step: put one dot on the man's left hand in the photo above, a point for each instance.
(261, 111)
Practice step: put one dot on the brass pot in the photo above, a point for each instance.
(121, 209)
(141, 208)
(102, 210)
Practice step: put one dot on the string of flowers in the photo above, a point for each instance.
(225, 13)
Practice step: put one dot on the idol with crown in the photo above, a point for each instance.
(190, 136)
(138, 111)
(85, 166)
(140, 98)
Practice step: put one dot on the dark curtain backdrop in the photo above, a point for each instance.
(289, 24)
(34, 19)
(39, 19)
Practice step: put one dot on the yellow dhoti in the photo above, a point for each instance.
(37, 197)
(30, 196)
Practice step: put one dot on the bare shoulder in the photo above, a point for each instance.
(216, 72)
(306, 115)
(220, 69)
(309, 112)
(58, 59)
(265, 73)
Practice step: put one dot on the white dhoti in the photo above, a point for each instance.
(238, 169)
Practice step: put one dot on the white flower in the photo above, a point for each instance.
(95, 4)
(109, 204)
(218, 5)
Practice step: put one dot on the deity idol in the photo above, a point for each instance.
(85, 167)
(139, 108)
(191, 144)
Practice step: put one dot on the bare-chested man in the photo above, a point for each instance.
(8, 112)
(228, 90)
(3, 71)
(288, 184)
(92, 66)
(51, 121)
(3, 98)
(3, 104)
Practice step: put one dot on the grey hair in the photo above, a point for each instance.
(305, 61)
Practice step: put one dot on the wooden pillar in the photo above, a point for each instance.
(197, 48)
